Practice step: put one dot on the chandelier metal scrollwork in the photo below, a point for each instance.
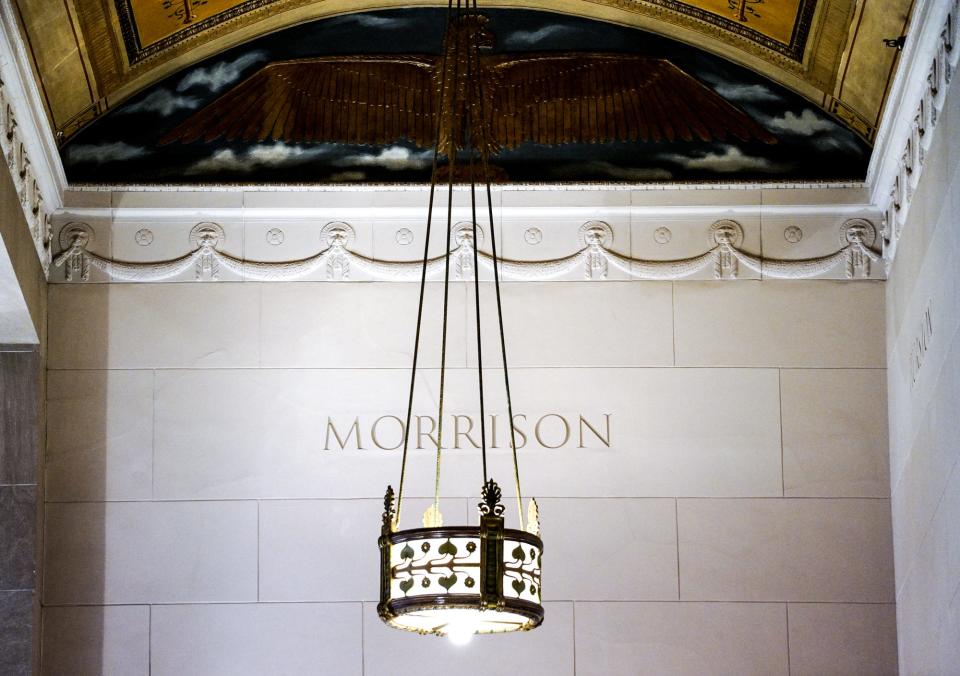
(458, 581)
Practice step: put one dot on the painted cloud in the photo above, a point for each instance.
(163, 102)
(731, 160)
(257, 157)
(528, 38)
(104, 152)
(610, 170)
(395, 158)
(371, 21)
(745, 92)
(806, 123)
(219, 75)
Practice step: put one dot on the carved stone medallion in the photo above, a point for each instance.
(337, 232)
(207, 233)
(726, 232)
(533, 236)
(75, 230)
(463, 233)
(793, 234)
(596, 232)
(143, 237)
(858, 229)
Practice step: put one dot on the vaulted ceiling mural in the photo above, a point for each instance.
(350, 99)
(93, 55)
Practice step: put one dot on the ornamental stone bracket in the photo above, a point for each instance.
(591, 257)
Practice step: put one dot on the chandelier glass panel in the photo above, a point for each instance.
(457, 581)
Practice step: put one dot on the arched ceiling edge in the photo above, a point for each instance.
(832, 44)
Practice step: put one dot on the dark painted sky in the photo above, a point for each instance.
(122, 146)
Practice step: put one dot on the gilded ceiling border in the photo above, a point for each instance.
(137, 53)
(794, 50)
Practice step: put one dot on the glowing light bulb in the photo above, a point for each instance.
(460, 632)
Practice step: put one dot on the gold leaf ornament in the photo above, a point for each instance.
(432, 518)
(533, 517)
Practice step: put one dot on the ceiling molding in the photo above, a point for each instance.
(723, 252)
(920, 89)
(26, 140)
(894, 170)
(25, 99)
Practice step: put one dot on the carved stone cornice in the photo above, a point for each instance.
(336, 261)
(918, 95)
(26, 142)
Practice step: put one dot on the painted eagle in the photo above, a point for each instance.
(546, 98)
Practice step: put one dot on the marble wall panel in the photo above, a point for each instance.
(150, 552)
(256, 639)
(154, 325)
(18, 414)
(835, 433)
(274, 433)
(107, 640)
(18, 523)
(836, 639)
(928, 460)
(927, 585)
(626, 549)
(16, 633)
(929, 318)
(572, 325)
(923, 344)
(623, 639)
(326, 550)
(831, 550)
(779, 323)
(255, 528)
(315, 325)
(99, 435)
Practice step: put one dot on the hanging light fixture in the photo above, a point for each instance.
(457, 581)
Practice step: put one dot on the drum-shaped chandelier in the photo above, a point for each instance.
(457, 581)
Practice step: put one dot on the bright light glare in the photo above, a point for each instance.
(460, 632)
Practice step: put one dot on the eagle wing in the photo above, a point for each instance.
(597, 97)
(373, 100)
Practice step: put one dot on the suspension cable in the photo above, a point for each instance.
(423, 274)
(484, 151)
(452, 161)
(471, 75)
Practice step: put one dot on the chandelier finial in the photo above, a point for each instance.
(491, 499)
(389, 511)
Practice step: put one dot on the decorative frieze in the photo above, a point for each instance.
(898, 193)
(724, 255)
(24, 179)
